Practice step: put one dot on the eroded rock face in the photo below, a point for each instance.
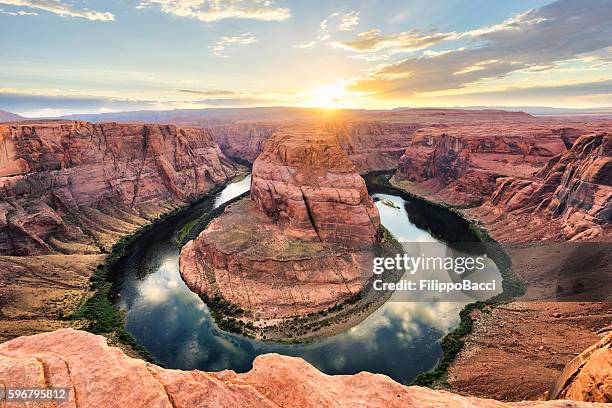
(304, 180)
(370, 145)
(76, 187)
(588, 377)
(243, 141)
(570, 198)
(301, 243)
(101, 376)
(460, 164)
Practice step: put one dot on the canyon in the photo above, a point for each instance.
(300, 244)
(71, 190)
(98, 375)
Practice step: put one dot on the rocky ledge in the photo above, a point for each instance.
(97, 375)
(301, 242)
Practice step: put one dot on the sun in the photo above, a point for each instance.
(329, 96)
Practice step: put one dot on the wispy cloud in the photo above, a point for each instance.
(336, 22)
(207, 93)
(373, 40)
(18, 13)
(215, 10)
(536, 39)
(222, 43)
(58, 7)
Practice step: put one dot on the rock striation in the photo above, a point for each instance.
(245, 141)
(70, 190)
(300, 244)
(76, 187)
(371, 145)
(101, 376)
(459, 164)
(588, 377)
(570, 198)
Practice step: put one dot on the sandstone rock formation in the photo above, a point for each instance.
(570, 198)
(300, 244)
(70, 190)
(370, 145)
(101, 376)
(74, 187)
(460, 164)
(305, 181)
(243, 141)
(588, 377)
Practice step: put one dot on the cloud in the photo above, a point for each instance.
(60, 8)
(207, 93)
(372, 41)
(348, 21)
(222, 43)
(18, 13)
(336, 22)
(538, 38)
(215, 10)
(44, 105)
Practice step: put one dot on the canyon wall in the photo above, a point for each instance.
(300, 243)
(570, 198)
(370, 145)
(245, 141)
(459, 163)
(76, 187)
(70, 190)
(97, 375)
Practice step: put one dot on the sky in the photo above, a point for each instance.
(92, 56)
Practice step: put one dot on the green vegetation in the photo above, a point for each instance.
(100, 314)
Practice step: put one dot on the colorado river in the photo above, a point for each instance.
(400, 339)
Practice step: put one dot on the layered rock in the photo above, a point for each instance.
(460, 164)
(75, 187)
(97, 375)
(570, 198)
(243, 141)
(300, 244)
(370, 145)
(70, 190)
(588, 377)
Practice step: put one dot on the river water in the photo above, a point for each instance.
(400, 339)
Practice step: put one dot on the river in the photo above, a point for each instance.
(400, 339)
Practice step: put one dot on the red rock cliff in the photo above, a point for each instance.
(570, 198)
(74, 187)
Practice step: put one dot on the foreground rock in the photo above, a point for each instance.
(102, 376)
(588, 377)
(300, 244)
